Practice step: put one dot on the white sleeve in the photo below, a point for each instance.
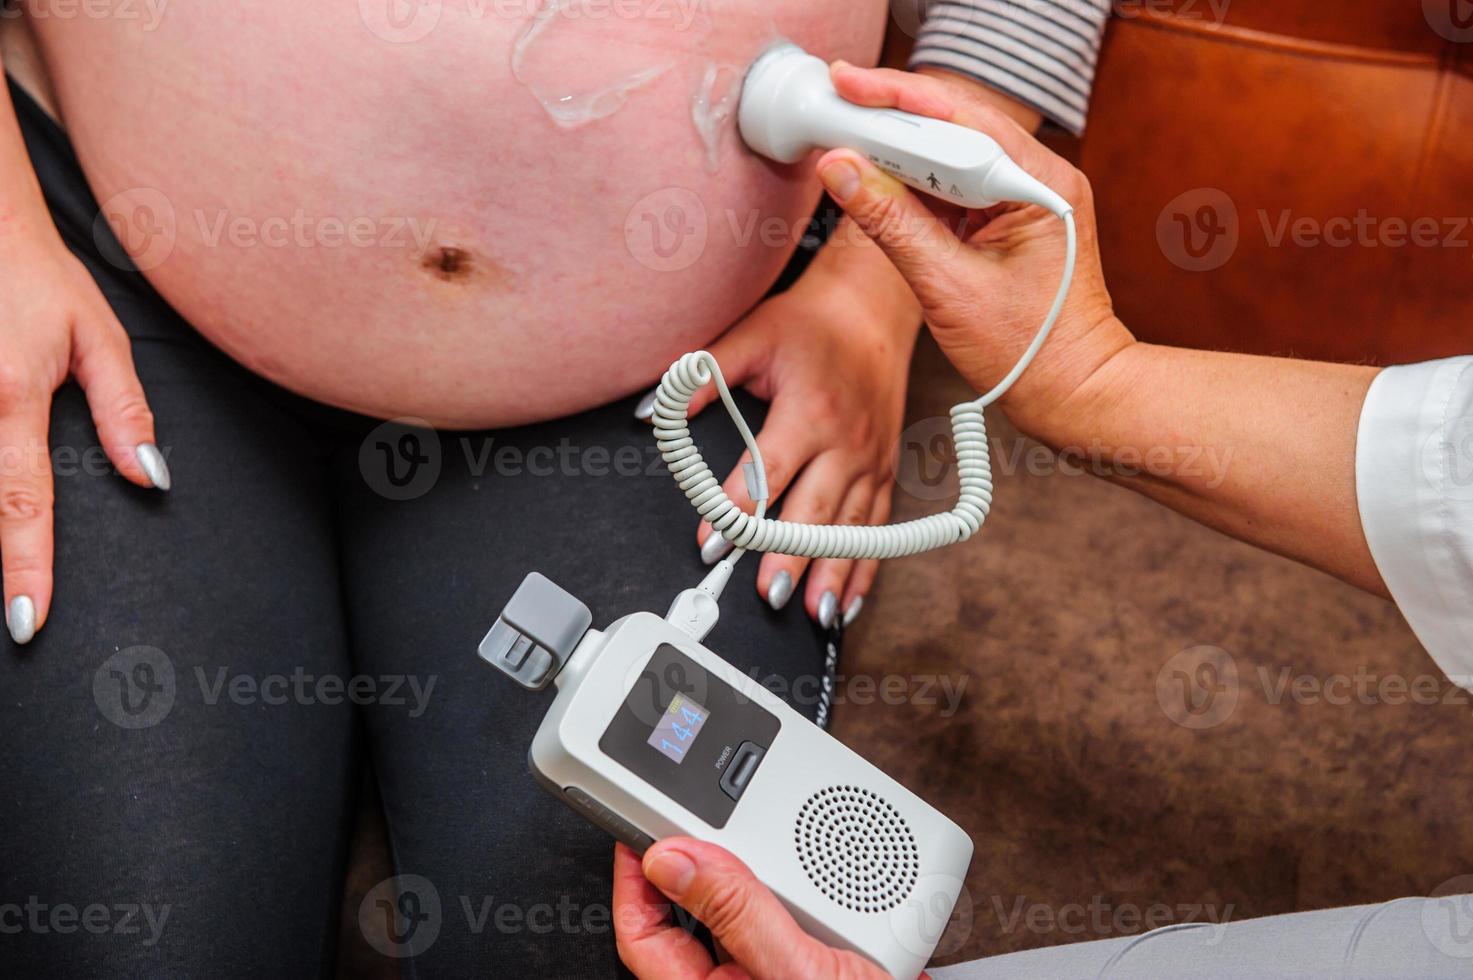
(1414, 480)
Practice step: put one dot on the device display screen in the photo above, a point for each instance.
(681, 727)
(678, 727)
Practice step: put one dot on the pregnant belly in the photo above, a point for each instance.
(478, 212)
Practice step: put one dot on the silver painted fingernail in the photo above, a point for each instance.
(645, 410)
(852, 613)
(153, 464)
(781, 589)
(20, 619)
(828, 609)
(715, 548)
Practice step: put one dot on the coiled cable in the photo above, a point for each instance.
(756, 532)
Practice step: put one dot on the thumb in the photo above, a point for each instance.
(916, 241)
(741, 913)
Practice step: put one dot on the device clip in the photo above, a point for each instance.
(536, 632)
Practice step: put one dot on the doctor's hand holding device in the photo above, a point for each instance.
(651, 735)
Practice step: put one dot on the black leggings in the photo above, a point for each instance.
(182, 742)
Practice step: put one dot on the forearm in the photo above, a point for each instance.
(1260, 448)
(23, 212)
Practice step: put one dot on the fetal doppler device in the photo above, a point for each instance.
(651, 734)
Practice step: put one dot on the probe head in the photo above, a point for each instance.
(779, 86)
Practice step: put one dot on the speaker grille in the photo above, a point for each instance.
(856, 848)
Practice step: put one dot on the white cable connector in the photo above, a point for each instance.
(754, 532)
(695, 611)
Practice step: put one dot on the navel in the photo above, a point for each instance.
(449, 263)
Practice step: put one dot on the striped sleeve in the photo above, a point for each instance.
(1040, 52)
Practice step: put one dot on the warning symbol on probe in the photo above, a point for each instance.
(956, 191)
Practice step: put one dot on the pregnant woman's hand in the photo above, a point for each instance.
(986, 291)
(831, 355)
(743, 915)
(54, 323)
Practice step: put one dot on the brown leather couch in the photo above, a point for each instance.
(1289, 114)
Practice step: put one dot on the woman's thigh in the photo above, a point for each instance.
(522, 883)
(175, 788)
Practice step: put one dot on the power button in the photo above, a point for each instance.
(741, 768)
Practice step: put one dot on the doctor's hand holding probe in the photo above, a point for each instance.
(1364, 473)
